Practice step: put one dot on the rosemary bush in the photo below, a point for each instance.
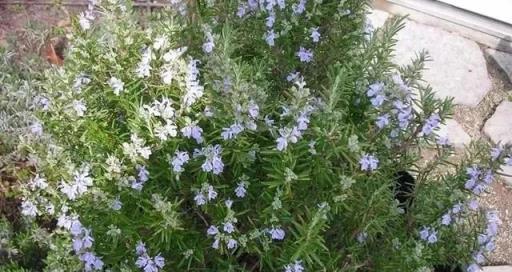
(248, 136)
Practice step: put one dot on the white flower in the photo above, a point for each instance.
(116, 84)
(166, 131)
(29, 209)
(144, 66)
(160, 43)
(79, 107)
(116, 204)
(38, 182)
(194, 90)
(85, 24)
(136, 148)
(167, 74)
(174, 54)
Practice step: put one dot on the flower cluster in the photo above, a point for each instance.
(479, 179)
(147, 263)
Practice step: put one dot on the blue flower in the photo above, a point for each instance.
(368, 162)
(382, 121)
(299, 8)
(277, 233)
(305, 55)
(446, 219)
(270, 36)
(430, 124)
(315, 35)
(241, 189)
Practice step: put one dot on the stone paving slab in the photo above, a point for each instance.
(455, 133)
(377, 17)
(504, 60)
(499, 127)
(502, 268)
(458, 68)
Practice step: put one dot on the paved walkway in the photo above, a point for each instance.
(479, 80)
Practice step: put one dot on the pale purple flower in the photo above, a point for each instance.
(478, 257)
(430, 124)
(368, 162)
(242, 10)
(375, 89)
(29, 209)
(378, 100)
(270, 20)
(270, 36)
(457, 208)
(305, 55)
(424, 233)
(143, 174)
(116, 204)
(362, 237)
(253, 109)
(382, 121)
(277, 233)
(200, 199)
(299, 7)
(404, 114)
(213, 161)
(315, 35)
(474, 268)
(208, 45)
(287, 135)
(294, 267)
(496, 152)
(212, 230)
(292, 76)
(215, 244)
(79, 107)
(232, 131)
(229, 227)
(446, 219)
(91, 261)
(241, 189)
(212, 194)
(180, 158)
(232, 243)
(432, 237)
(281, 4)
(443, 141)
(473, 204)
(36, 129)
(192, 130)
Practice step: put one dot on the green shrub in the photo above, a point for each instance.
(246, 136)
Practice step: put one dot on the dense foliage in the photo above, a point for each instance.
(244, 136)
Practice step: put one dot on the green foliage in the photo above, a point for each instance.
(297, 148)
